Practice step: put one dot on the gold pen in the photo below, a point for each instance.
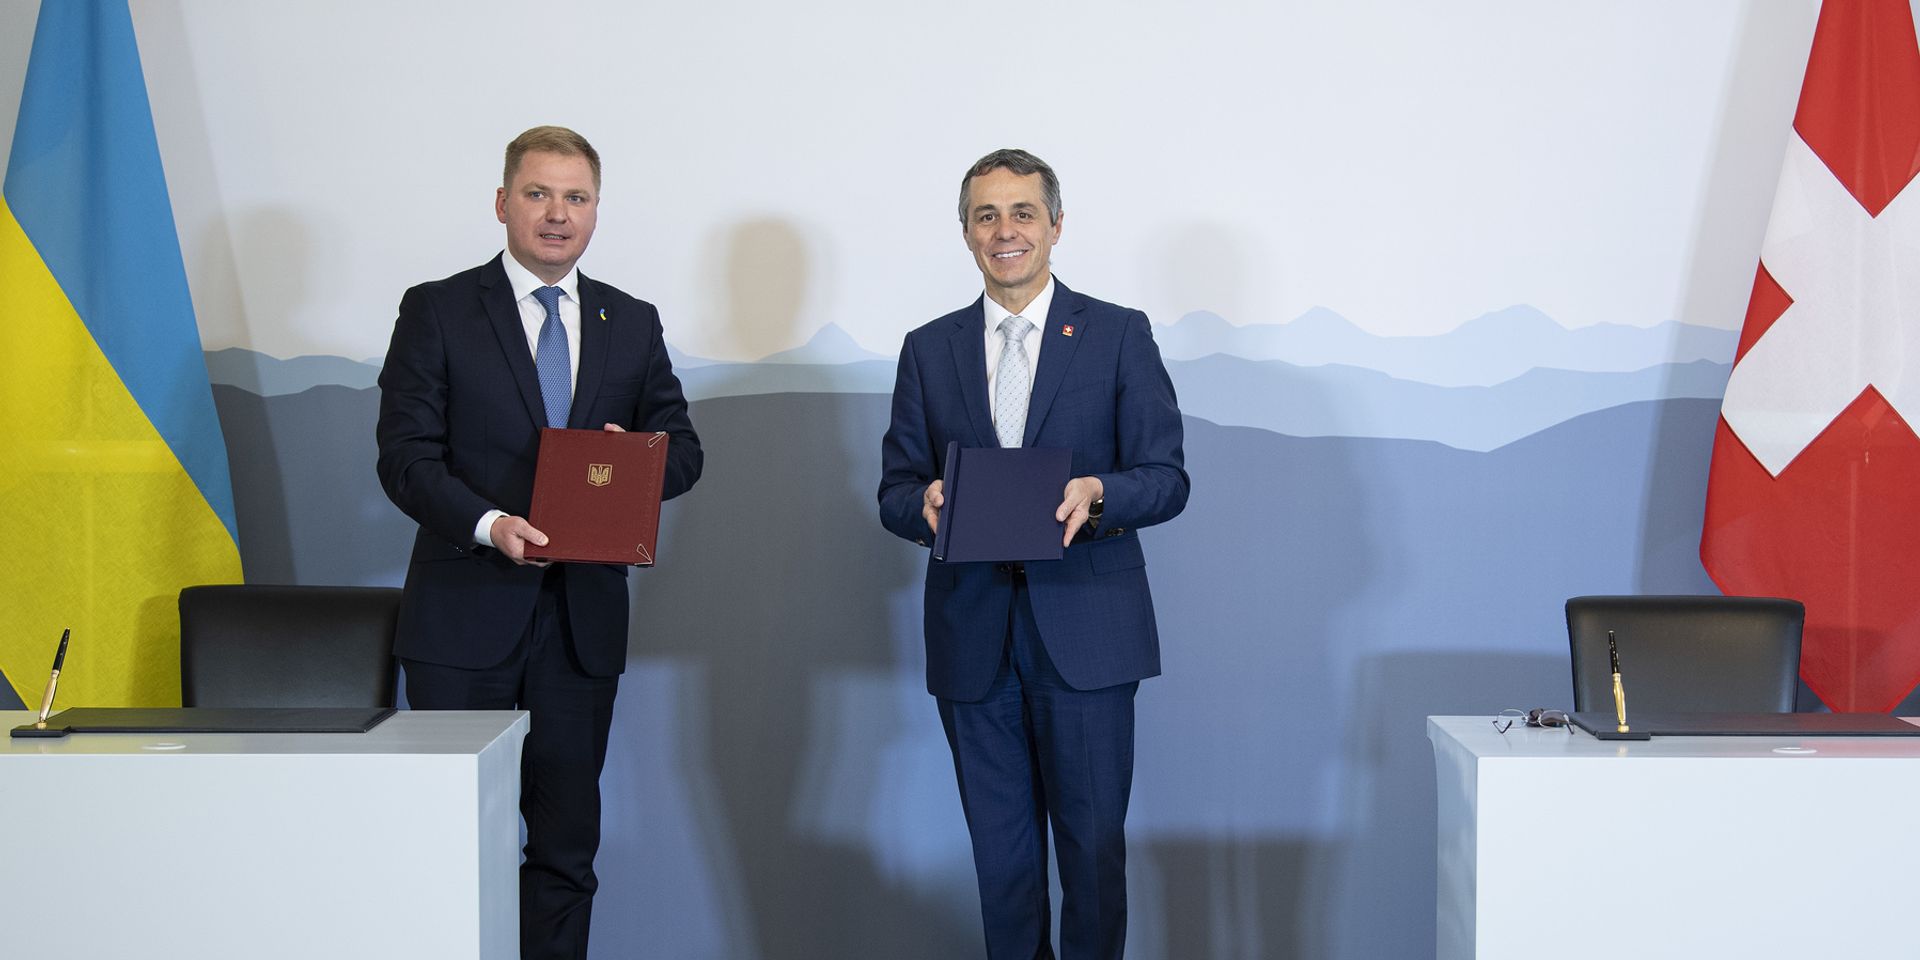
(53, 682)
(1619, 692)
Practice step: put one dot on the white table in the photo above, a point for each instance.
(1559, 845)
(400, 842)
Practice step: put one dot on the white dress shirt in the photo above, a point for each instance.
(1035, 313)
(533, 316)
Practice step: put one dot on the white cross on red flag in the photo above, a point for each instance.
(1814, 491)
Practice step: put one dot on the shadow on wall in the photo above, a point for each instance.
(765, 275)
(309, 506)
(1251, 898)
(780, 787)
(1222, 898)
(774, 628)
(1254, 586)
(1387, 854)
(780, 600)
(1320, 597)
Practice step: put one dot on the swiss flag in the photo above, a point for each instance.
(1814, 491)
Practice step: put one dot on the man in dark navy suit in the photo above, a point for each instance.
(1035, 665)
(479, 363)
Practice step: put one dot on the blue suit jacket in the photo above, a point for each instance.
(1101, 392)
(459, 430)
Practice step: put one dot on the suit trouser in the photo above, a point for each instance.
(560, 764)
(1035, 751)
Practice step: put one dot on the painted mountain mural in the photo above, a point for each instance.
(1318, 376)
(1364, 546)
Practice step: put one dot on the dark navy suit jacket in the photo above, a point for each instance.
(1101, 392)
(459, 430)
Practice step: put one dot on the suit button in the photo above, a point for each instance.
(1116, 531)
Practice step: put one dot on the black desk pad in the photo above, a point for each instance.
(1603, 725)
(208, 720)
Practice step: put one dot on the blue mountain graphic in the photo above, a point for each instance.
(1483, 351)
(756, 379)
(1343, 401)
(269, 376)
(1331, 400)
(829, 344)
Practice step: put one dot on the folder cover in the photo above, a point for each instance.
(1603, 725)
(596, 495)
(208, 720)
(999, 503)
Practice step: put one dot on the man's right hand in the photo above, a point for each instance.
(930, 502)
(511, 534)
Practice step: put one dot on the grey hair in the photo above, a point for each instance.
(1020, 163)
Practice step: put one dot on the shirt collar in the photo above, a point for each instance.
(1035, 311)
(524, 282)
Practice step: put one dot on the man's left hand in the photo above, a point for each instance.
(1079, 497)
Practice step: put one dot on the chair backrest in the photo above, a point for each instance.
(1677, 654)
(253, 645)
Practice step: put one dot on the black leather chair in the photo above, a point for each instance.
(249, 645)
(1688, 654)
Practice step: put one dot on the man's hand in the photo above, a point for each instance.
(511, 535)
(930, 502)
(1079, 497)
(613, 428)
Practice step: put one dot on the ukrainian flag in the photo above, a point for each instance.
(114, 490)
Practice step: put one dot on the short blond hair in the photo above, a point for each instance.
(549, 139)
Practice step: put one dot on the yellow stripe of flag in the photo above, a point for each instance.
(105, 524)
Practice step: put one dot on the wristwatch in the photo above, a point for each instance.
(1095, 508)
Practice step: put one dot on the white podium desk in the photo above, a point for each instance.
(1559, 845)
(399, 842)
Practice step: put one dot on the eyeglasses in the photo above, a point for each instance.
(1537, 717)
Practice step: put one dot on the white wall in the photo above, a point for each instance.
(1410, 165)
(779, 785)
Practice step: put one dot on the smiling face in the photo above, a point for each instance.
(550, 209)
(1008, 232)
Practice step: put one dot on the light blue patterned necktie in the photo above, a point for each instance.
(551, 359)
(1012, 384)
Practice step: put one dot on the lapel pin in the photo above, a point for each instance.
(603, 313)
(1067, 331)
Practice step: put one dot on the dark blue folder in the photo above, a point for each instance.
(1000, 503)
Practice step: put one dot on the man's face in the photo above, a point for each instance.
(1008, 232)
(549, 210)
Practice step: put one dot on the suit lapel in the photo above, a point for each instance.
(594, 334)
(1056, 354)
(969, 345)
(496, 296)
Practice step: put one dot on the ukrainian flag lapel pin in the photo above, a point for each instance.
(603, 313)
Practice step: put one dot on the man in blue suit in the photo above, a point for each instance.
(1035, 665)
(479, 363)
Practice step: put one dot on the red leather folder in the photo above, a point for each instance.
(596, 495)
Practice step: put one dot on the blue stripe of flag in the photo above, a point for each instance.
(85, 183)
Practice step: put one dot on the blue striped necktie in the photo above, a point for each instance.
(550, 358)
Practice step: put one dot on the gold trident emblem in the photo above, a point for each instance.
(599, 474)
